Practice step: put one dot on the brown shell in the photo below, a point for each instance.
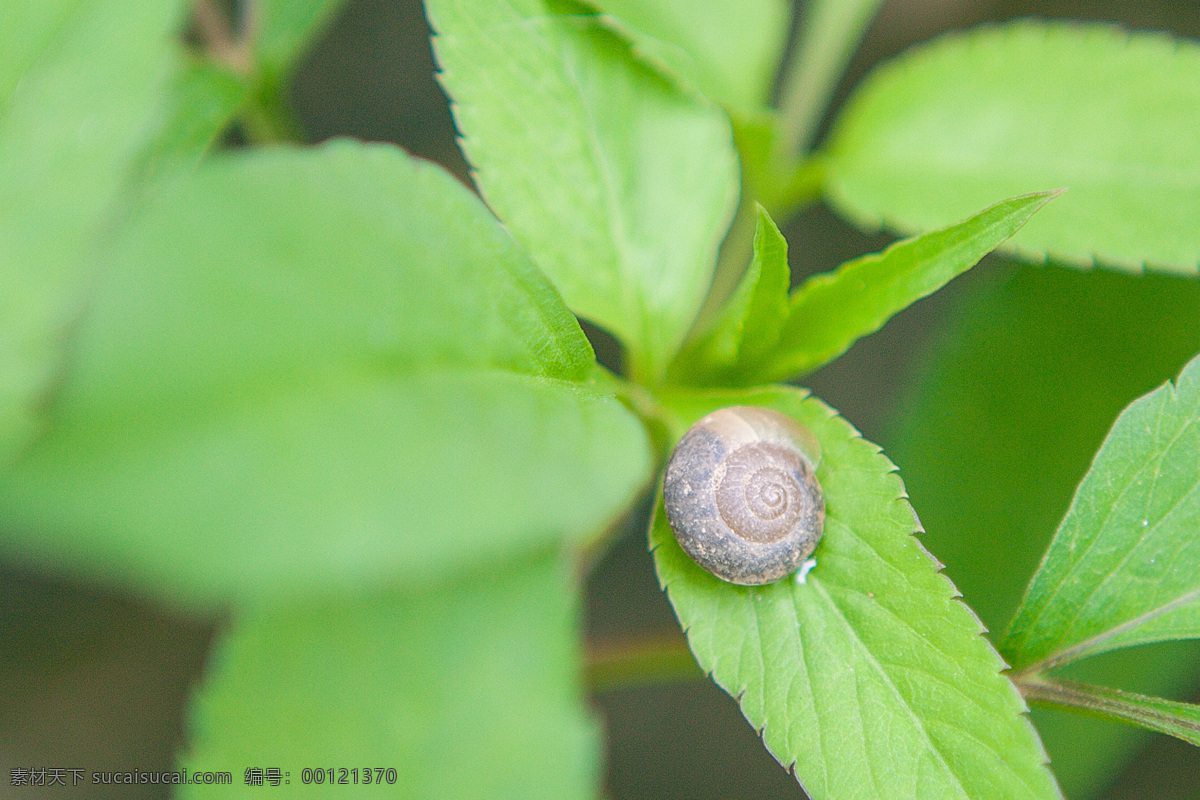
(741, 494)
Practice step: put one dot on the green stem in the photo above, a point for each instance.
(828, 38)
(250, 22)
(1181, 720)
(268, 117)
(802, 189)
(221, 45)
(831, 32)
(736, 251)
(640, 662)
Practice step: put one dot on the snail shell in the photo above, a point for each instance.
(741, 494)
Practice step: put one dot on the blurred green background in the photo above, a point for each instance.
(991, 396)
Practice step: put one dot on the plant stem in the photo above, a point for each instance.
(268, 117)
(732, 260)
(829, 36)
(664, 658)
(250, 22)
(798, 192)
(831, 32)
(220, 43)
(1181, 720)
(802, 189)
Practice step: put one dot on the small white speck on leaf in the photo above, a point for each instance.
(805, 568)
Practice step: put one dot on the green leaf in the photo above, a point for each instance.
(751, 320)
(617, 183)
(728, 50)
(870, 676)
(79, 84)
(200, 105)
(1181, 720)
(468, 690)
(829, 312)
(1021, 107)
(320, 368)
(287, 28)
(1003, 419)
(1124, 566)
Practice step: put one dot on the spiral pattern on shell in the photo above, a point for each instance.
(741, 494)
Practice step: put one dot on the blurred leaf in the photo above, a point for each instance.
(1181, 720)
(752, 319)
(729, 50)
(288, 27)
(1003, 420)
(618, 184)
(314, 368)
(870, 676)
(200, 105)
(1028, 106)
(831, 311)
(1124, 566)
(79, 84)
(465, 691)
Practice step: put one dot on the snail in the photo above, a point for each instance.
(741, 494)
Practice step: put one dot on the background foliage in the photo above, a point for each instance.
(1043, 396)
